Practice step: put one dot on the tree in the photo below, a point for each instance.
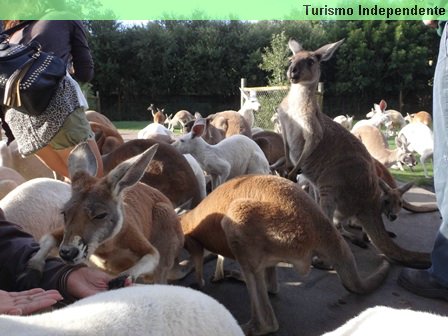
(275, 59)
(201, 62)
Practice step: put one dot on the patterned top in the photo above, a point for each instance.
(66, 39)
(35, 132)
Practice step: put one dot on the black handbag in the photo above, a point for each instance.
(29, 77)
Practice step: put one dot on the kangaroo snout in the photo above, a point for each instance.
(409, 161)
(73, 252)
(68, 253)
(392, 217)
(293, 74)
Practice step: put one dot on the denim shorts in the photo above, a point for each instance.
(76, 129)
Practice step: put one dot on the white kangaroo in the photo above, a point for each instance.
(233, 156)
(250, 105)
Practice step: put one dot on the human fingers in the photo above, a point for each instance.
(29, 297)
(26, 292)
(36, 305)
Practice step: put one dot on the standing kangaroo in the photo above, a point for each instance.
(332, 158)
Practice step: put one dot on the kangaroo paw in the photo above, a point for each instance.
(232, 275)
(320, 264)
(119, 282)
(359, 242)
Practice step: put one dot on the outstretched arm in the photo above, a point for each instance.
(17, 247)
(27, 302)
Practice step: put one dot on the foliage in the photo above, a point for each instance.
(417, 174)
(275, 59)
(198, 64)
(130, 125)
(384, 59)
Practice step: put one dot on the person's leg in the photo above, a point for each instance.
(429, 282)
(439, 256)
(55, 160)
(76, 129)
(433, 282)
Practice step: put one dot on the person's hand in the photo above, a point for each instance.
(87, 281)
(27, 302)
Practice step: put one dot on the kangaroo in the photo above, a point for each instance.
(131, 226)
(261, 220)
(181, 117)
(158, 116)
(392, 200)
(378, 147)
(332, 158)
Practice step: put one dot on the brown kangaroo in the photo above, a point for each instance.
(261, 220)
(130, 225)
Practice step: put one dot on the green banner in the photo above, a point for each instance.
(224, 10)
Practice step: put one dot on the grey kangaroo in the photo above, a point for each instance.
(332, 158)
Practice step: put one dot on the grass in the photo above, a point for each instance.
(130, 125)
(416, 175)
(127, 126)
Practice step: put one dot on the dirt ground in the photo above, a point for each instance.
(318, 303)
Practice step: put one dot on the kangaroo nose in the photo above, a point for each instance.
(293, 73)
(392, 217)
(68, 253)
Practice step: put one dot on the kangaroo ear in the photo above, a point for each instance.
(383, 105)
(198, 128)
(325, 52)
(377, 109)
(398, 142)
(401, 142)
(129, 172)
(384, 186)
(294, 46)
(405, 187)
(82, 159)
(244, 94)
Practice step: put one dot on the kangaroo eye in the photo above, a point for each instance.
(100, 216)
(310, 61)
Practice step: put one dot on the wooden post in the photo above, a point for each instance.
(243, 85)
(320, 95)
(320, 87)
(98, 101)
